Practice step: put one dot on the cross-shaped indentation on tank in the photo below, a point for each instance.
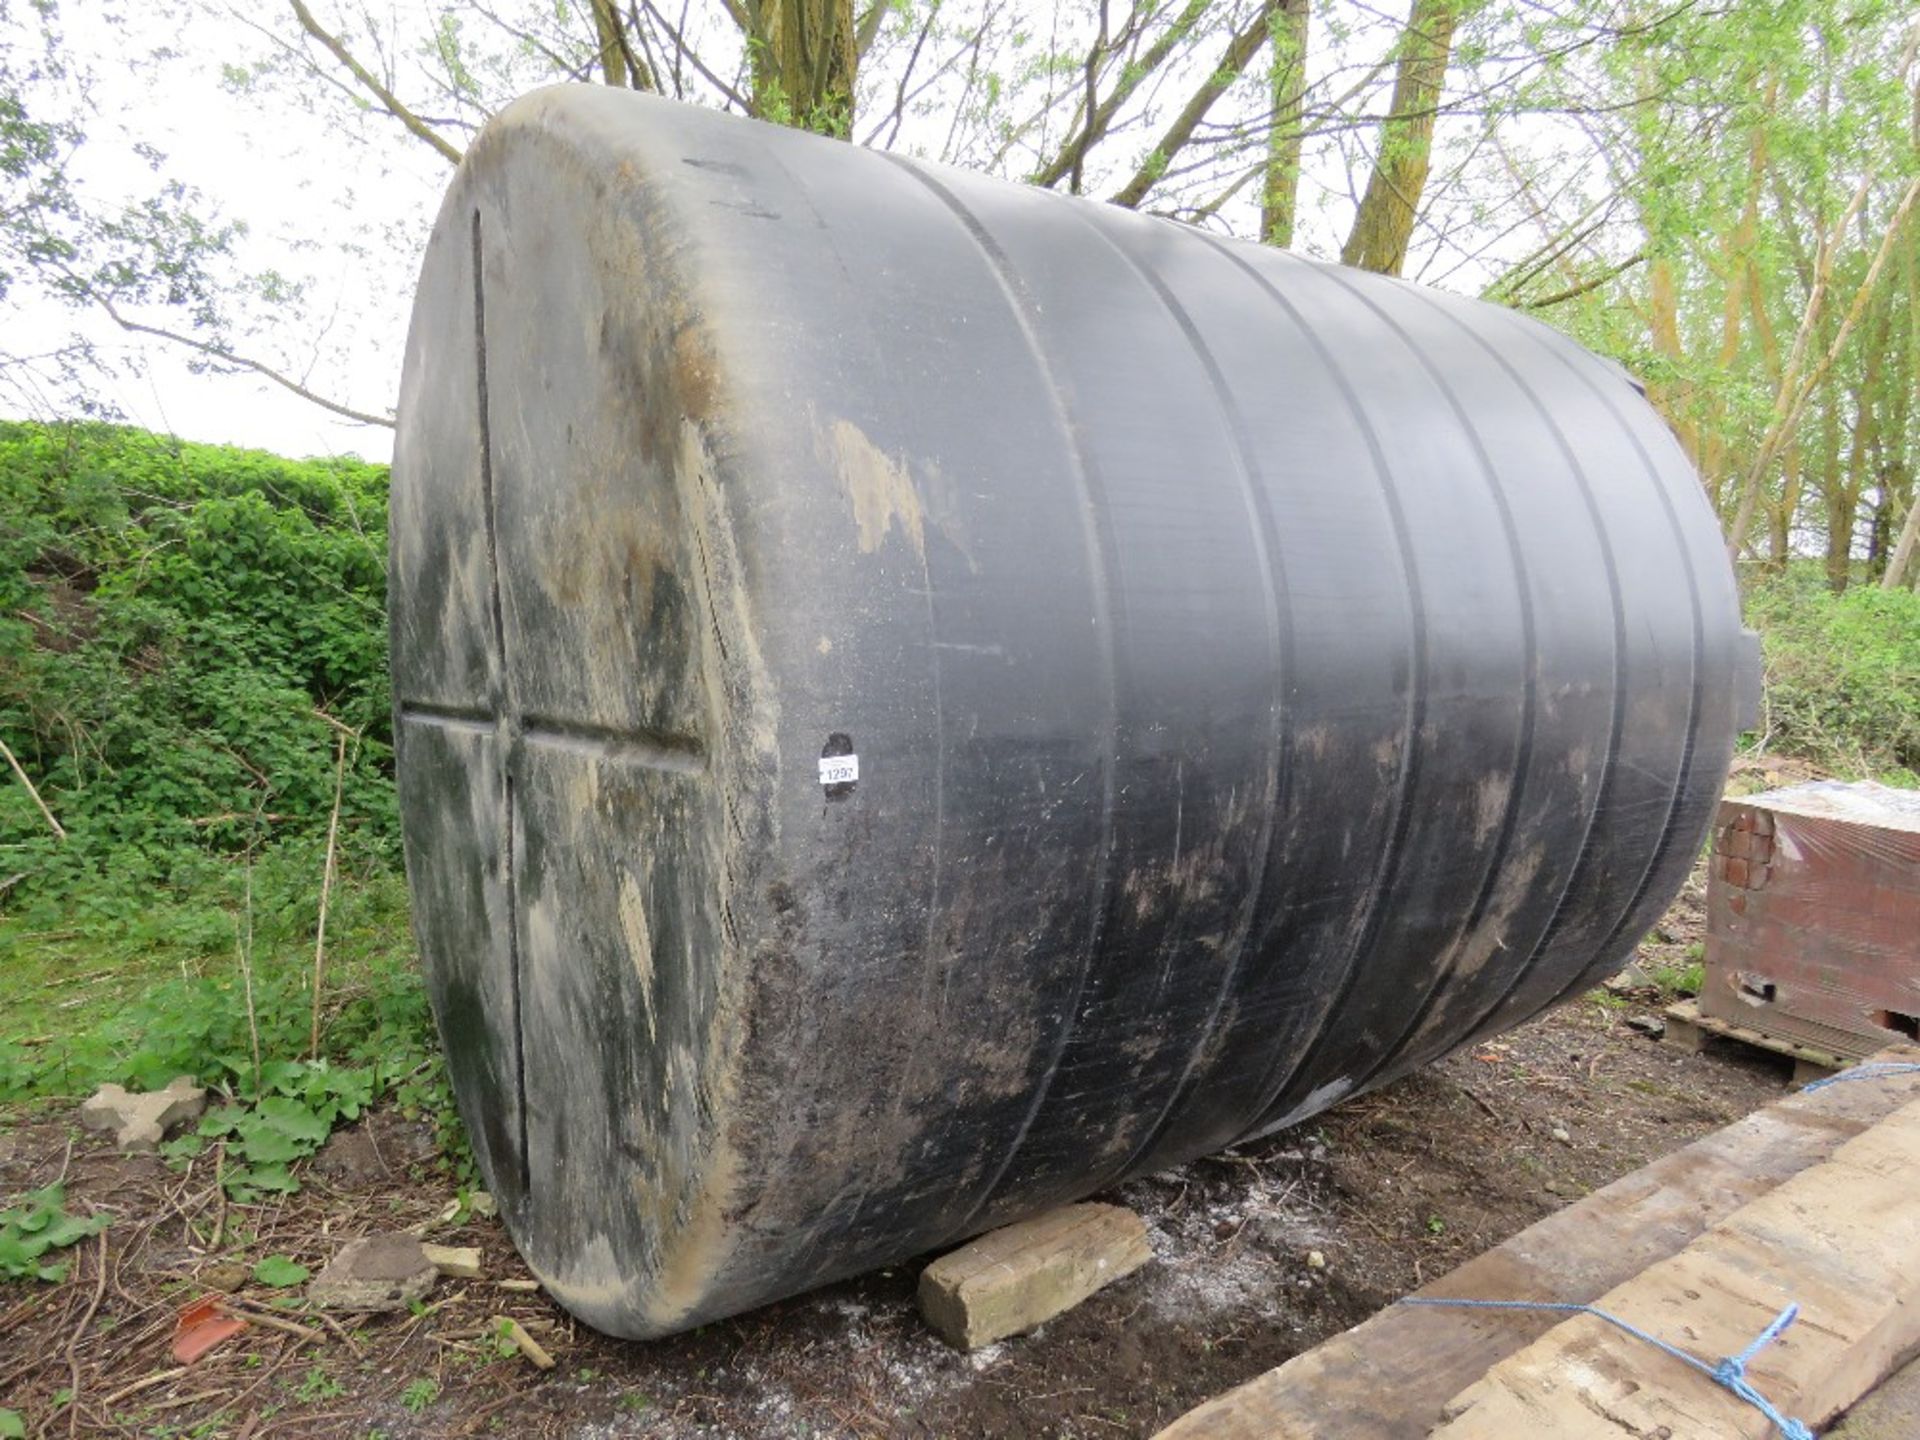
(512, 729)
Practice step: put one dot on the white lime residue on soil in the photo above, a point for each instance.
(1224, 1248)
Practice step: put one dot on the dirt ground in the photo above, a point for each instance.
(1390, 1190)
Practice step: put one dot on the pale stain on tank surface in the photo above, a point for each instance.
(1490, 796)
(879, 487)
(1485, 944)
(633, 928)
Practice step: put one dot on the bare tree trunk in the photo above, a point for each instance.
(1664, 323)
(606, 33)
(1279, 198)
(1741, 273)
(1835, 491)
(1903, 548)
(1384, 223)
(1780, 512)
(1839, 540)
(1779, 536)
(1726, 494)
(1901, 365)
(1796, 388)
(1901, 478)
(1865, 445)
(1879, 536)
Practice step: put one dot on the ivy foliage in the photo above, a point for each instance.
(178, 623)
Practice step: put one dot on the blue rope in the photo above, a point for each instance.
(1730, 1373)
(1863, 1072)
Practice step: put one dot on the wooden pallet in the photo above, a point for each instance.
(1393, 1377)
(1693, 1032)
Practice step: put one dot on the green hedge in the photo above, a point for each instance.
(1843, 672)
(173, 618)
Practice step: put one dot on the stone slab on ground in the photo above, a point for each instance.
(1020, 1276)
(1388, 1378)
(1842, 1239)
(229, 1277)
(141, 1121)
(378, 1272)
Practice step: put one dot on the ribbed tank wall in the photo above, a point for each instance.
(1263, 677)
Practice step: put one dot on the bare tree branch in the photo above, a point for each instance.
(373, 87)
(1241, 49)
(229, 357)
(867, 29)
(1574, 292)
(681, 47)
(1073, 152)
(610, 52)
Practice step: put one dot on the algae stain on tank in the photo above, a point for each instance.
(884, 750)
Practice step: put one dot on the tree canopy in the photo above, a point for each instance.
(1722, 197)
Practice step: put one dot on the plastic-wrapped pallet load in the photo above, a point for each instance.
(1813, 916)
(919, 698)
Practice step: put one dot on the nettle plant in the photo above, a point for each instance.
(296, 1110)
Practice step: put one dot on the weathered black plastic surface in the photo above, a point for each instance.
(1263, 677)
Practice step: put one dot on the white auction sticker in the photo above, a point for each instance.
(839, 769)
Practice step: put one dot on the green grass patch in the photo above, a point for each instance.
(200, 1001)
(1680, 980)
(191, 985)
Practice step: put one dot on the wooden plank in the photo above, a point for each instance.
(1023, 1275)
(1841, 1238)
(1689, 1027)
(1388, 1378)
(1683, 1028)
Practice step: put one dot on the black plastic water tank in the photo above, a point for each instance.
(919, 698)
